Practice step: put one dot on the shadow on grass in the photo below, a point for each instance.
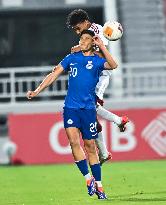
(144, 199)
(139, 197)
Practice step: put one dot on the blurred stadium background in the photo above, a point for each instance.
(34, 38)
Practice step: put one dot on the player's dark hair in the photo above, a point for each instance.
(91, 33)
(76, 16)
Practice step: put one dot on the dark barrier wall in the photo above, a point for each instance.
(38, 37)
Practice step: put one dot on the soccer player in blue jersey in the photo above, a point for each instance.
(78, 20)
(79, 114)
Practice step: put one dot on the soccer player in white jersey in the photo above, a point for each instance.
(78, 20)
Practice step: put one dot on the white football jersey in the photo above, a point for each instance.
(105, 75)
(98, 30)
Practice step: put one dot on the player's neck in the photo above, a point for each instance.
(88, 53)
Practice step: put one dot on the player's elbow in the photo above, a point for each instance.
(115, 65)
(110, 65)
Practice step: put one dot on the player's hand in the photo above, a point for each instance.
(30, 94)
(97, 41)
(75, 49)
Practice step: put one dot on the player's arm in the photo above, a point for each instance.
(99, 52)
(48, 80)
(111, 63)
(75, 49)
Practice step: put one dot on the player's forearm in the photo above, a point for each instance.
(112, 63)
(45, 83)
(50, 78)
(100, 53)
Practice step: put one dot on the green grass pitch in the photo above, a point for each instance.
(125, 183)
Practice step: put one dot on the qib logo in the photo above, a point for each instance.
(89, 65)
(155, 134)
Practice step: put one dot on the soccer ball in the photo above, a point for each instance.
(112, 30)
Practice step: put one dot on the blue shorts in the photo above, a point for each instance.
(83, 119)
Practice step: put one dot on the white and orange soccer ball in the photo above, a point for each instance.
(112, 30)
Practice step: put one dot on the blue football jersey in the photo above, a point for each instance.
(84, 72)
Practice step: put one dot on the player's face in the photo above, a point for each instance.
(78, 28)
(86, 42)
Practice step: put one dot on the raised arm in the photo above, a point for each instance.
(48, 80)
(111, 63)
(75, 49)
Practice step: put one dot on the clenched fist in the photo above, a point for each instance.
(30, 94)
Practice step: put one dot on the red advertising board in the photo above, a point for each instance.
(40, 138)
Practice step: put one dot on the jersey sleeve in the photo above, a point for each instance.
(65, 63)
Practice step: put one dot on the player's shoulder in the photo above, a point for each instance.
(96, 28)
(76, 55)
(96, 25)
(72, 55)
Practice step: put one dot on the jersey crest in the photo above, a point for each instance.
(89, 65)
